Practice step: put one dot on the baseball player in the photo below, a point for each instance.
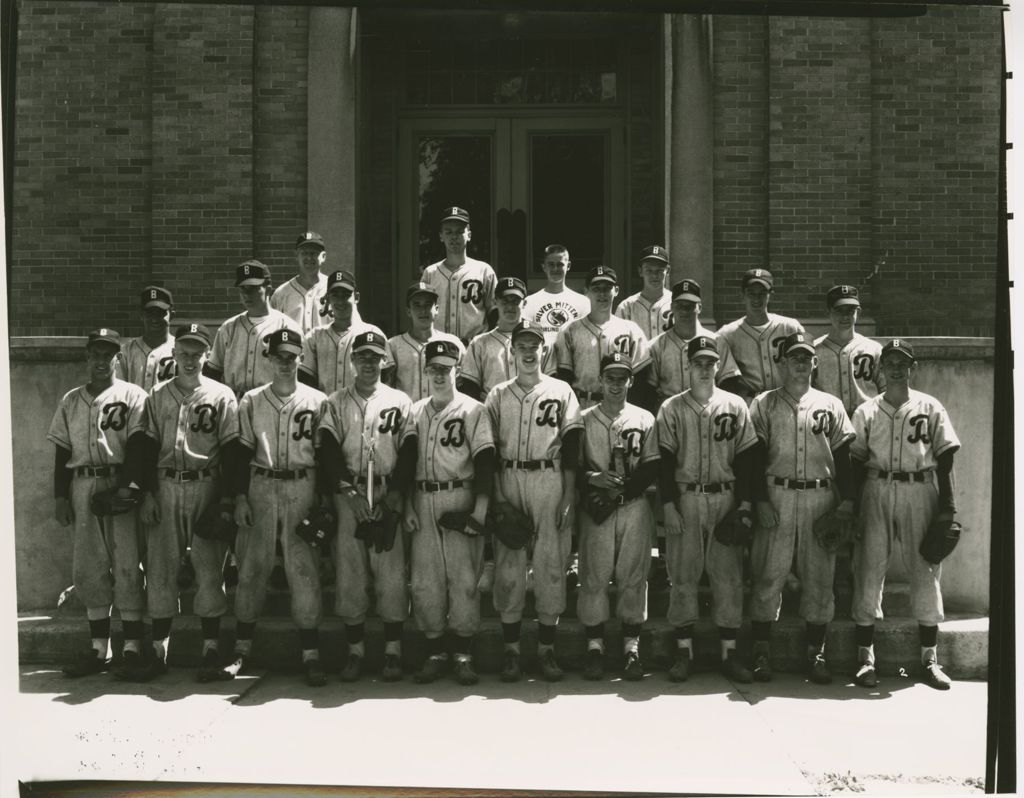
(620, 458)
(454, 455)
(464, 285)
(192, 421)
(407, 351)
(301, 299)
(90, 431)
(277, 422)
(806, 435)
(555, 304)
(848, 363)
(326, 363)
(537, 427)
(237, 356)
(651, 308)
(707, 436)
(359, 433)
(756, 340)
(670, 363)
(147, 360)
(905, 446)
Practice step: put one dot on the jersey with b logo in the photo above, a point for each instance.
(801, 434)
(326, 355)
(361, 424)
(409, 358)
(448, 439)
(300, 304)
(906, 438)
(529, 424)
(705, 438)
(632, 429)
(191, 426)
(146, 366)
(489, 360)
(238, 349)
(670, 365)
(653, 318)
(758, 353)
(463, 296)
(280, 429)
(581, 344)
(851, 372)
(96, 429)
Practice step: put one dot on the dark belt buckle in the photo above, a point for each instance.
(431, 487)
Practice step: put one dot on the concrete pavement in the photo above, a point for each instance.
(705, 736)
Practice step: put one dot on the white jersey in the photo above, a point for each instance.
(529, 424)
(408, 356)
(448, 439)
(360, 425)
(191, 426)
(653, 318)
(146, 366)
(551, 312)
(280, 429)
(489, 360)
(670, 365)
(238, 349)
(463, 296)
(758, 353)
(327, 355)
(302, 305)
(581, 344)
(906, 438)
(851, 372)
(632, 429)
(96, 428)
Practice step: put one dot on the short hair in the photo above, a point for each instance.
(556, 249)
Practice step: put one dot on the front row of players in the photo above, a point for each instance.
(286, 447)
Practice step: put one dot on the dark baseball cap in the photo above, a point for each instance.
(455, 214)
(760, 276)
(525, 328)
(194, 332)
(901, 346)
(798, 341)
(654, 252)
(704, 345)
(508, 286)
(252, 272)
(283, 340)
(342, 279)
(370, 341)
(156, 296)
(310, 238)
(602, 274)
(419, 288)
(442, 353)
(839, 295)
(616, 361)
(104, 335)
(686, 289)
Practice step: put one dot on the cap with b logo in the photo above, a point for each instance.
(455, 214)
(312, 238)
(760, 276)
(419, 288)
(341, 279)
(194, 332)
(654, 252)
(155, 296)
(702, 346)
(252, 272)
(686, 289)
(798, 342)
(441, 353)
(510, 286)
(527, 328)
(616, 361)
(840, 295)
(104, 335)
(602, 274)
(283, 340)
(901, 346)
(370, 341)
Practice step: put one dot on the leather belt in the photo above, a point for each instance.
(710, 487)
(282, 473)
(529, 465)
(97, 471)
(587, 396)
(900, 476)
(802, 484)
(435, 487)
(187, 476)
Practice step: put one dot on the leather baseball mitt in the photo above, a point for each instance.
(736, 528)
(832, 531)
(319, 527)
(509, 525)
(107, 502)
(597, 505)
(217, 522)
(940, 540)
(460, 522)
(380, 532)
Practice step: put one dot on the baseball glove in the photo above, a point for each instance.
(832, 531)
(597, 505)
(940, 540)
(217, 522)
(379, 532)
(319, 527)
(107, 502)
(736, 528)
(509, 525)
(460, 522)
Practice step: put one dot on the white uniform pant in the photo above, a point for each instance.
(446, 567)
(771, 556)
(619, 547)
(278, 505)
(894, 519)
(689, 554)
(537, 494)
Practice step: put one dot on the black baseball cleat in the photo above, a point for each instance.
(593, 668)
(818, 670)
(464, 673)
(430, 670)
(392, 670)
(353, 668)
(313, 672)
(511, 671)
(736, 671)
(866, 676)
(233, 667)
(209, 670)
(935, 678)
(549, 666)
(762, 666)
(680, 670)
(634, 669)
(130, 662)
(86, 664)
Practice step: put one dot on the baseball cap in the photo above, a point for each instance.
(194, 332)
(456, 214)
(760, 276)
(686, 289)
(283, 340)
(252, 272)
(310, 238)
(602, 274)
(527, 327)
(797, 341)
(370, 341)
(510, 285)
(419, 288)
(341, 279)
(702, 345)
(654, 252)
(441, 353)
(616, 361)
(156, 296)
(104, 335)
(839, 295)
(901, 346)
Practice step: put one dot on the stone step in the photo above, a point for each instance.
(963, 644)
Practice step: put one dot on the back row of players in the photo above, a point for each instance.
(288, 405)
